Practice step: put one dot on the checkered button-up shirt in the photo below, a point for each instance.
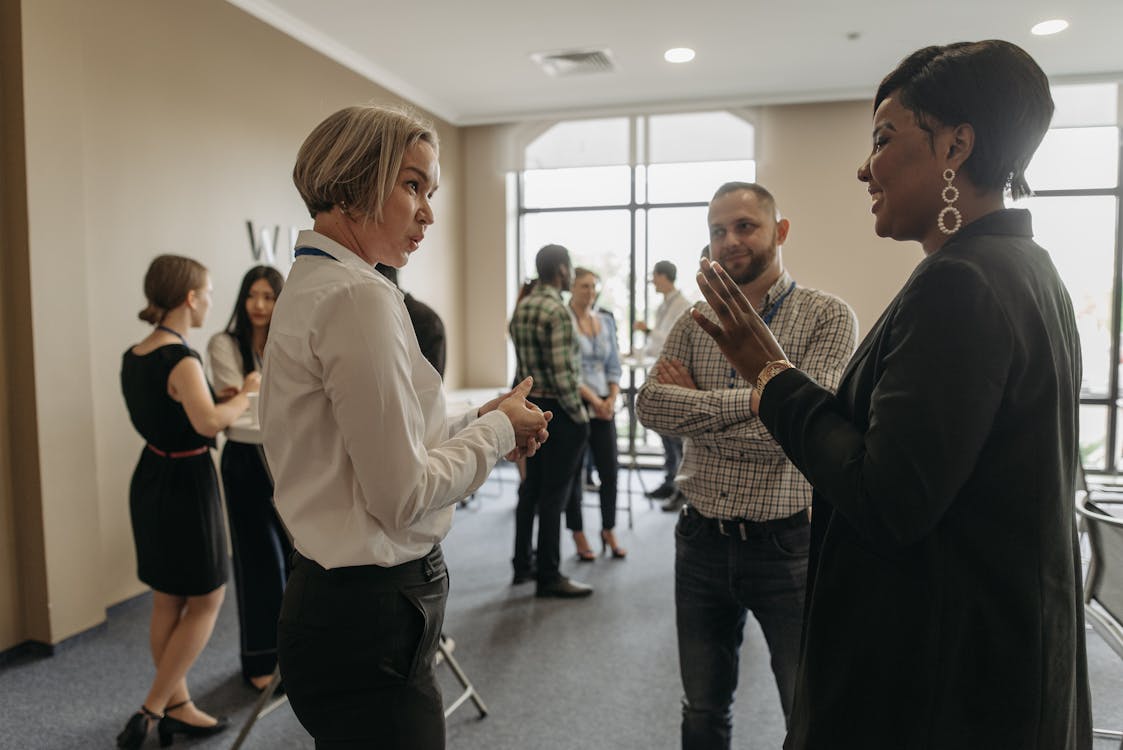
(546, 347)
(731, 467)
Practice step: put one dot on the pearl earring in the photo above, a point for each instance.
(953, 192)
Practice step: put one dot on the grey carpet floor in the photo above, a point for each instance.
(555, 675)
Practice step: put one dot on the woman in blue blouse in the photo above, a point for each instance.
(600, 385)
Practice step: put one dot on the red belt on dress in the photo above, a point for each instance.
(178, 454)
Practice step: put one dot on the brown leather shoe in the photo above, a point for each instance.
(564, 588)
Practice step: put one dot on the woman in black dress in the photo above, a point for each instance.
(261, 546)
(944, 604)
(173, 497)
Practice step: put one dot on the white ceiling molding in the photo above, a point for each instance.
(342, 54)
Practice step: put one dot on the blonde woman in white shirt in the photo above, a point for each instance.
(261, 546)
(367, 468)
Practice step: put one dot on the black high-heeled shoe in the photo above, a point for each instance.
(132, 736)
(169, 727)
(584, 551)
(618, 552)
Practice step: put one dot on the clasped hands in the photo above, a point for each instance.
(740, 333)
(528, 421)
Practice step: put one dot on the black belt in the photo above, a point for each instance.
(743, 528)
(412, 573)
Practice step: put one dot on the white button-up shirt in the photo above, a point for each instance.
(672, 307)
(366, 465)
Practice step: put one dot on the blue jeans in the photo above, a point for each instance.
(672, 457)
(718, 579)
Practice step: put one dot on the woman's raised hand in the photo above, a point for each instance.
(744, 339)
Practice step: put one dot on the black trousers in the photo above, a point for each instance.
(356, 647)
(549, 476)
(261, 554)
(602, 444)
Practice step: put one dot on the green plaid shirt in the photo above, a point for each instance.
(546, 347)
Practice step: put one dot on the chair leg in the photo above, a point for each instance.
(261, 707)
(469, 689)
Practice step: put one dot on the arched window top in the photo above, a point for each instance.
(698, 136)
(581, 143)
(646, 139)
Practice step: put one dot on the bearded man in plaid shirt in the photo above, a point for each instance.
(742, 539)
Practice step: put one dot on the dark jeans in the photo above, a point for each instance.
(718, 578)
(549, 474)
(356, 647)
(261, 554)
(602, 445)
(672, 457)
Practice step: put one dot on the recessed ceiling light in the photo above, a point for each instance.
(1054, 26)
(678, 55)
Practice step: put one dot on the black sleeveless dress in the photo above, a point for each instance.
(174, 503)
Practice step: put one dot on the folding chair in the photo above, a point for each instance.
(1103, 584)
(264, 705)
(444, 653)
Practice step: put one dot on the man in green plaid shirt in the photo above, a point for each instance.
(546, 347)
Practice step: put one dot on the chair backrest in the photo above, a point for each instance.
(1103, 587)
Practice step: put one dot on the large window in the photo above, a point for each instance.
(1077, 182)
(624, 193)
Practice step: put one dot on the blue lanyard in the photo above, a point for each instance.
(173, 332)
(314, 251)
(767, 317)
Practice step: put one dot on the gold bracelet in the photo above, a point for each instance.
(769, 371)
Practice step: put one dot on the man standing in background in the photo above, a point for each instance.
(546, 348)
(674, 304)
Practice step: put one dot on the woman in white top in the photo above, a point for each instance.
(261, 546)
(367, 468)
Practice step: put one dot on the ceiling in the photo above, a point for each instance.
(469, 62)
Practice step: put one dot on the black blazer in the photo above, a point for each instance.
(944, 604)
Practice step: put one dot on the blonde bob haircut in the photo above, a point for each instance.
(352, 158)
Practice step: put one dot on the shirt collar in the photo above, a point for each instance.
(1007, 221)
(312, 238)
(777, 289)
(550, 290)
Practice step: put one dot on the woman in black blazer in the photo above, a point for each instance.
(944, 606)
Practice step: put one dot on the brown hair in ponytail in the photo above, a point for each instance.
(169, 279)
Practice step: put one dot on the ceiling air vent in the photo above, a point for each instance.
(575, 62)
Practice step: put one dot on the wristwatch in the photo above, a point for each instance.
(769, 371)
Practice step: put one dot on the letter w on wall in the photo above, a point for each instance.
(264, 251)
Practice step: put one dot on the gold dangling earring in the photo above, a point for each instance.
(949, 175)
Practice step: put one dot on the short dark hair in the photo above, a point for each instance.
(549, 261)
(994, 86)
(763, 195)
(667, 268)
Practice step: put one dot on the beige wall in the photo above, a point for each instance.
(154, 127)
(807, 156)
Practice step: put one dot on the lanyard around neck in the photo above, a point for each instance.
(173, 332)
(314, 251)
(767, 317)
